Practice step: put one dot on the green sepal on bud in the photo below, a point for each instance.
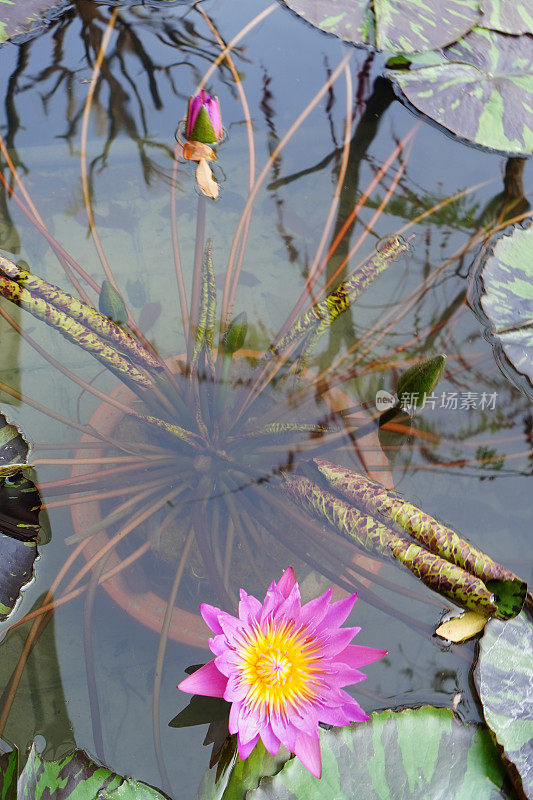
(235, 334)
(111, 304)
(419, 381)
(203, 130)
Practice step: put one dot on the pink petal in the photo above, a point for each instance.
(236, 689)
(228, 663)
(270, 741)
(274, 598)
(334, 716)
(246, 749)
(287, 582)
(338, 613)
(210, 616)
(207, 681)
(213, 109)
(231, 627)
(313, 612)
(357, 656)
(195, 104)
(307, 749)
(284, 731)
(343, 676)
(249, 607)
(290, 608)
(234, 713)
(248, 724)
(337, 641)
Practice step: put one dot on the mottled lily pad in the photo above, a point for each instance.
(507, 299)
(240, 777)
(8, 775)
(420, 754)
(78, 777)
(508, 16)
(504, 681)
(408, 26)
(481, 88)
(20, 506)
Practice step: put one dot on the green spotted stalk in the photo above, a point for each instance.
(81, 312)
(435, 572)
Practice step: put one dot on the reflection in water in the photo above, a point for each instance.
(145, 482)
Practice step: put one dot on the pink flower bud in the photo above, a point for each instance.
(204, 123)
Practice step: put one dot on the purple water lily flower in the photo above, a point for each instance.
(283, 666)
(204, 122)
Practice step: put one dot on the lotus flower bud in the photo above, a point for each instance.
(204, 123)
(235, 334)
(420, 380)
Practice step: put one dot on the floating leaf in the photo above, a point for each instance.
(507, 299)
(508, 16)
(8, 775)
(480, 88)
(20, 506)
(397, 25)
(241, 776)
(504, 681)
(463, 627)
(78, 777)
(205, 180)
(421, 754)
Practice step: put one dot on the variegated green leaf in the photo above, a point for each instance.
(397, 25)
(20, 506)
(481, 88)
(422, 754)
(78, 777)
(504, 681)
(507, 299)
(8, 775)
(508, 16)
(241, 776)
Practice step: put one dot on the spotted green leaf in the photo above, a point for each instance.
(406, 26)
(508, 16)
(78, 777)
(241, 776)
(421, 754)
(20, 506)
(8, 775)
(507, 297)
(481, 89)
(504, 681)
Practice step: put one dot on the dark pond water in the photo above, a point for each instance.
(467, 462)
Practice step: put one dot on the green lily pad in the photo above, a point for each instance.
(507, 299)
(423, 754)
(8, 775)
(481, 88)
(504, 681)
(508, 16)
(78, 777)
(241, 776)
(20, 506)
(397, 25)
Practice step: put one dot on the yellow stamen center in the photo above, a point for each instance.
(280, 667)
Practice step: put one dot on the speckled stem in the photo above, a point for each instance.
(436, 573)
(322, 314)
(72, 330)
(81, 312)
(426, 530)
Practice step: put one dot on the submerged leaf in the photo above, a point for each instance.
(504, 681)
(507, 300)
(416, 754)
(200, 711)
(480, 88)
(463, 627)
(205, 180)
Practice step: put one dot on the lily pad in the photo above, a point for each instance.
(480, 88)
(78, 777)
(396, 25)
(8, 775)
(20, 506)
(241, 776)
(504, 681)
(507, 299)
(508, 16)
(421, 754)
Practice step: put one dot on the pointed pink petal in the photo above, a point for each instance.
(334, 716)
(357, 656)
(287, 582)
(344, 676)
(246, 749)
(284, 731)
(207, 681)
(195, 104)
(337, 641)
(210, 616)
(228, 663)
(233, 722)
(231, 627)
(270, 741)
(338, 613)
(313, 612)
(307, 749)
(290, 608)
(249, 607)
(274, 598)
(248, 724)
